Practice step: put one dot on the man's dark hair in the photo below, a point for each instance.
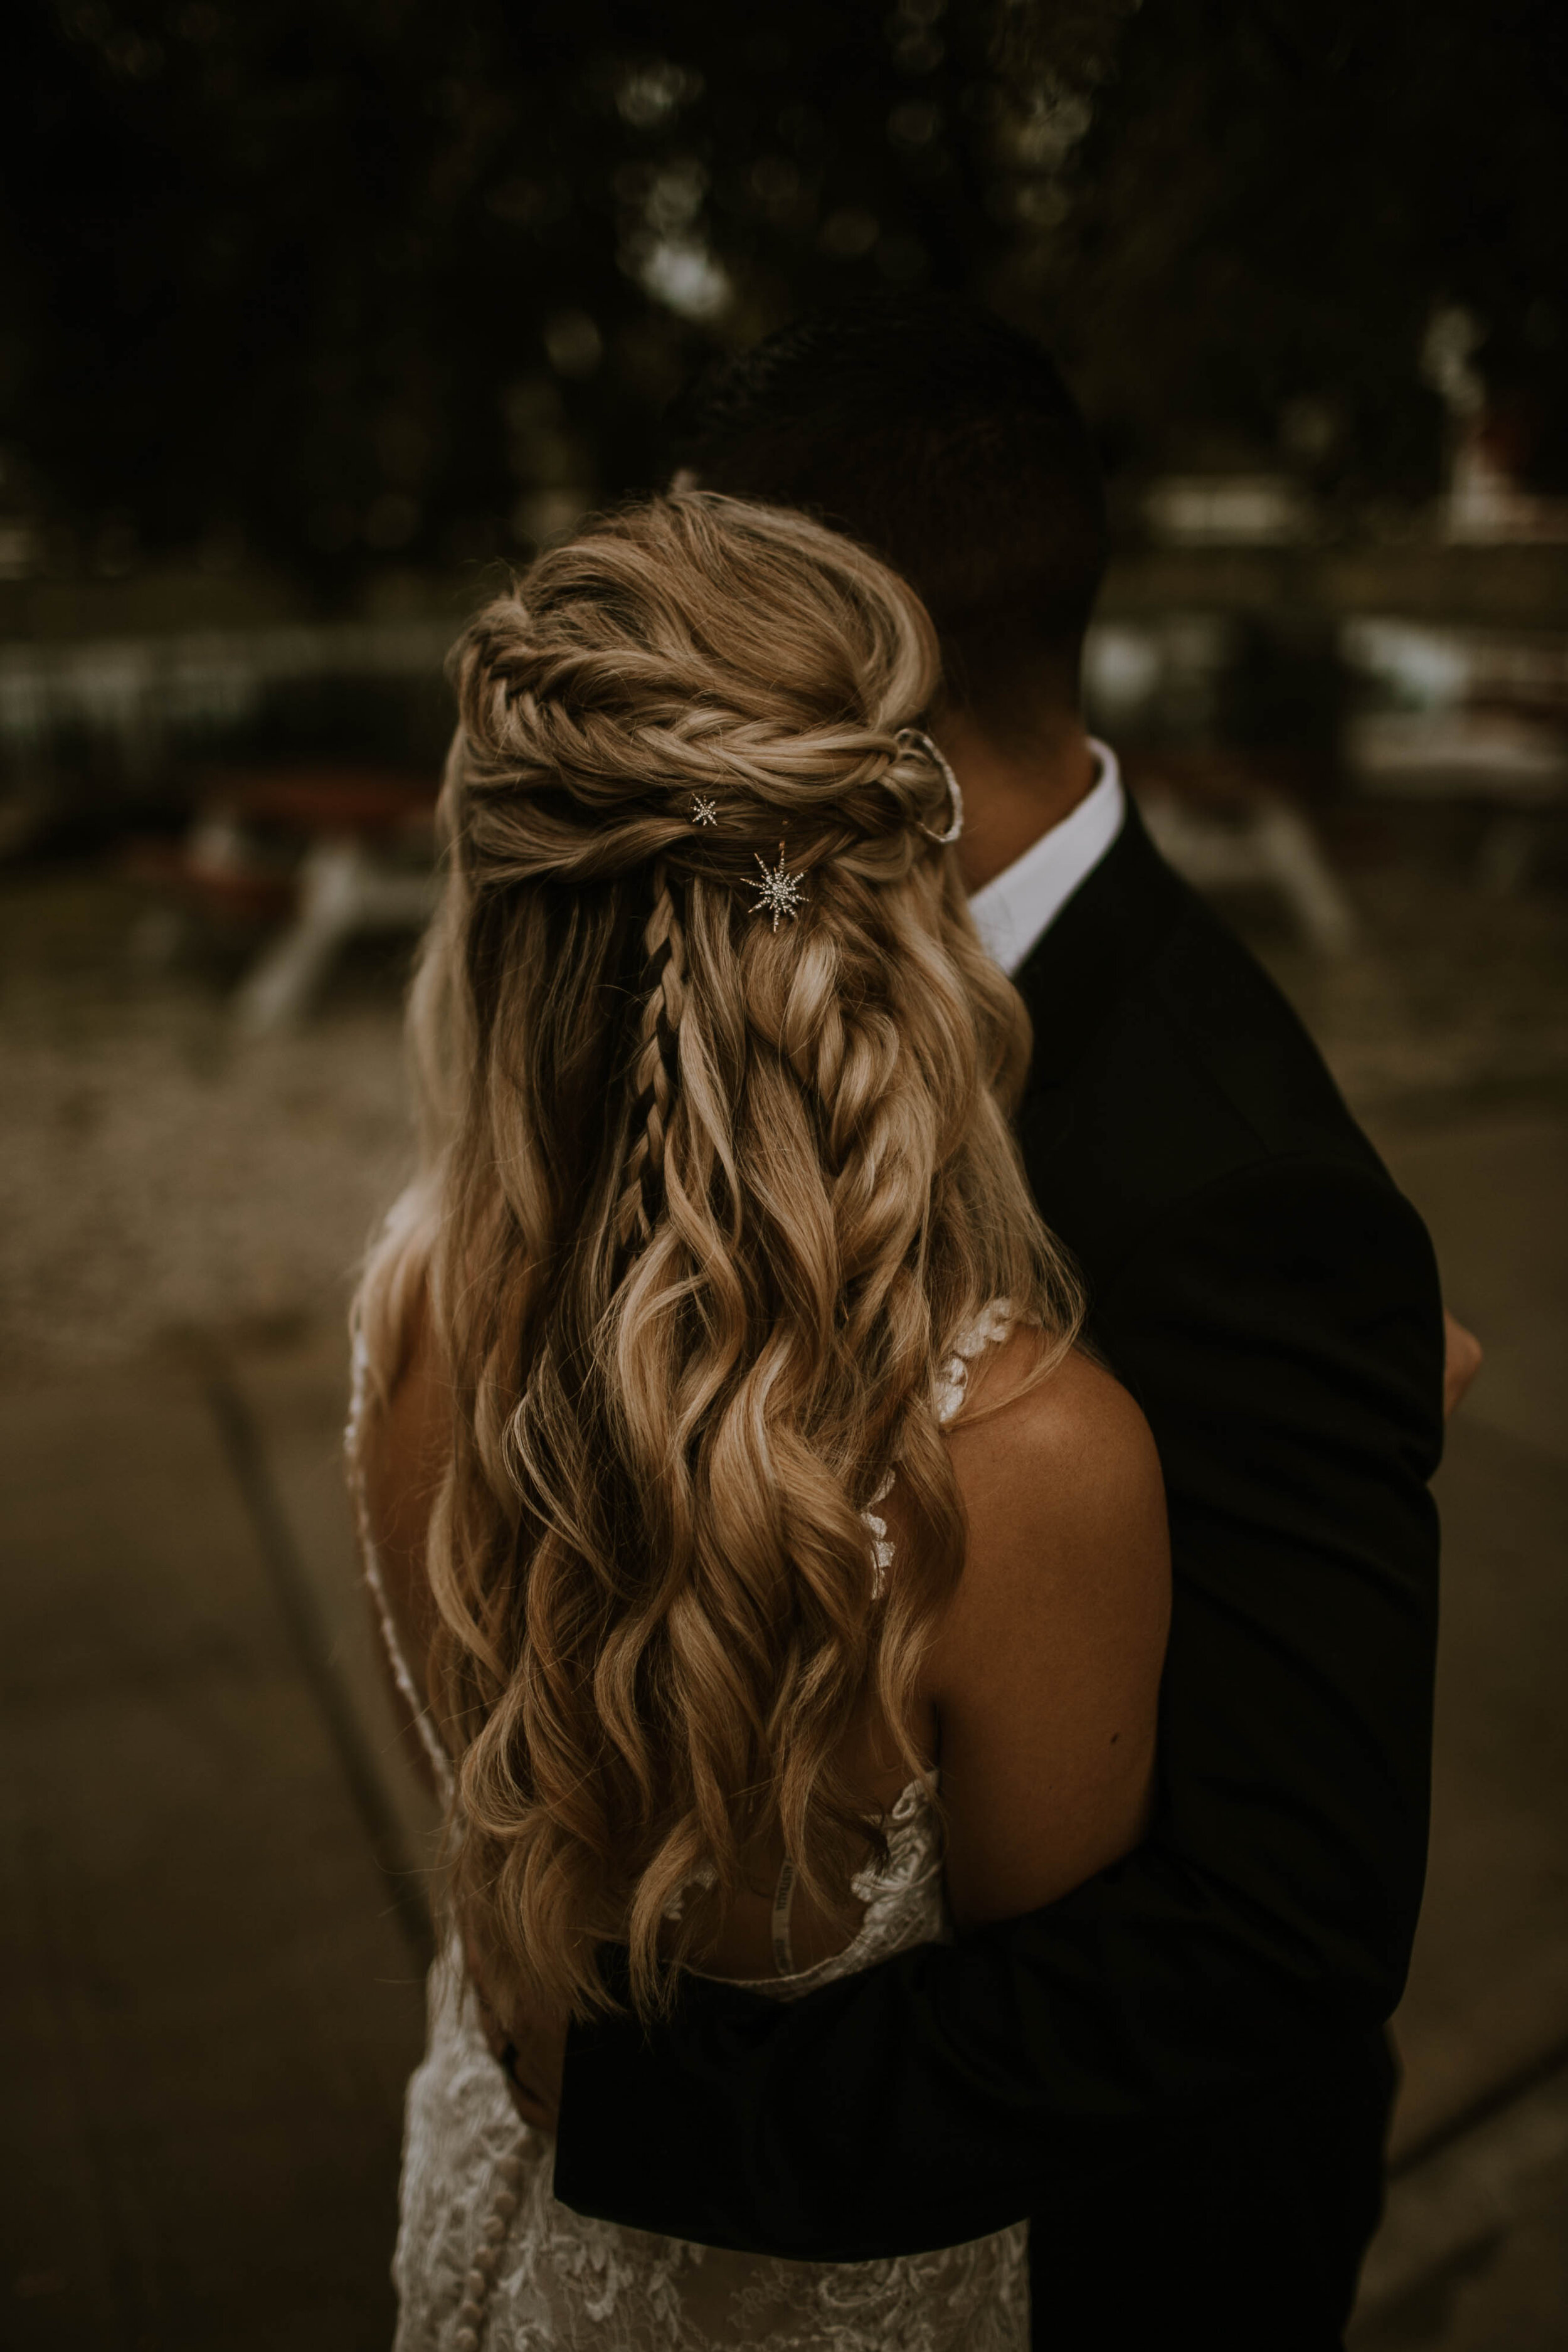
(946, 441)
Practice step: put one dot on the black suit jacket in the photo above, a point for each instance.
(1177, 2071)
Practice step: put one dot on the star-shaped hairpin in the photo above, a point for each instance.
(704, 812)
(779, 892)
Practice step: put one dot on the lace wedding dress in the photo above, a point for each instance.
(487, 2257)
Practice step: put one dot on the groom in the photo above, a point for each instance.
(1179, 2072)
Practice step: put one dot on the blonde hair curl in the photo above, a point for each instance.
(701, 1208)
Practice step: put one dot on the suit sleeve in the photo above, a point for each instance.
(1283, 1332)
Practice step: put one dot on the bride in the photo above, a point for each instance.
(775, 1582)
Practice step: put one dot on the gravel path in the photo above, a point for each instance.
(159, 1174)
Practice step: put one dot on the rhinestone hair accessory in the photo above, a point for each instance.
(779, 892)
(915, 738)
(704, 812)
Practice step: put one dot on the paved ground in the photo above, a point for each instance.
(213, 1999)
(1489, 1989)
(211, 1922)
(1488, 2002)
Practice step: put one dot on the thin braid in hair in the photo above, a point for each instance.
(656, 1068)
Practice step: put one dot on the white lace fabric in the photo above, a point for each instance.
(487, 2256)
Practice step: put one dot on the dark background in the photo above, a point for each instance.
(315, 319)
(330, 284)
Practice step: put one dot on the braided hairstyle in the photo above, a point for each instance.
(704, 1198)
(655, 1069)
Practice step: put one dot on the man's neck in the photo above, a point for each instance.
(1011, 796)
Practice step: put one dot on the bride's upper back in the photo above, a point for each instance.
(1036, 1701)
(1035, 1706)
(716, 1171)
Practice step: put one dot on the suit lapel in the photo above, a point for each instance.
(1106, 936)
(1077, 982)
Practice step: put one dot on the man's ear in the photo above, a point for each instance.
(685, 477)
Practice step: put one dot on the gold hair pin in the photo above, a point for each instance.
(704, 812)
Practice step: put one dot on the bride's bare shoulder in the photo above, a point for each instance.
(1045, 1673)
(1066, 1449)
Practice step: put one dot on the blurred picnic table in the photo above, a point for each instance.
(315, 855)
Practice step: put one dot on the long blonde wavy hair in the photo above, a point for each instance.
(704, 1200)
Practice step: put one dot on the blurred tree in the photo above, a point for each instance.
(1273, 203)
(346, 281)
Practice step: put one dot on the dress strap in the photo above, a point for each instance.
(353, 1450)
(881, 1542)
(784, 1901)
(990, 1328)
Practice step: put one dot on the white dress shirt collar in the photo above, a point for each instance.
(1014, 912)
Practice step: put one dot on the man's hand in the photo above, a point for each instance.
(1461, 1362)
(530, 2051)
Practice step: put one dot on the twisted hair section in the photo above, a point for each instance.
(700, 1210)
